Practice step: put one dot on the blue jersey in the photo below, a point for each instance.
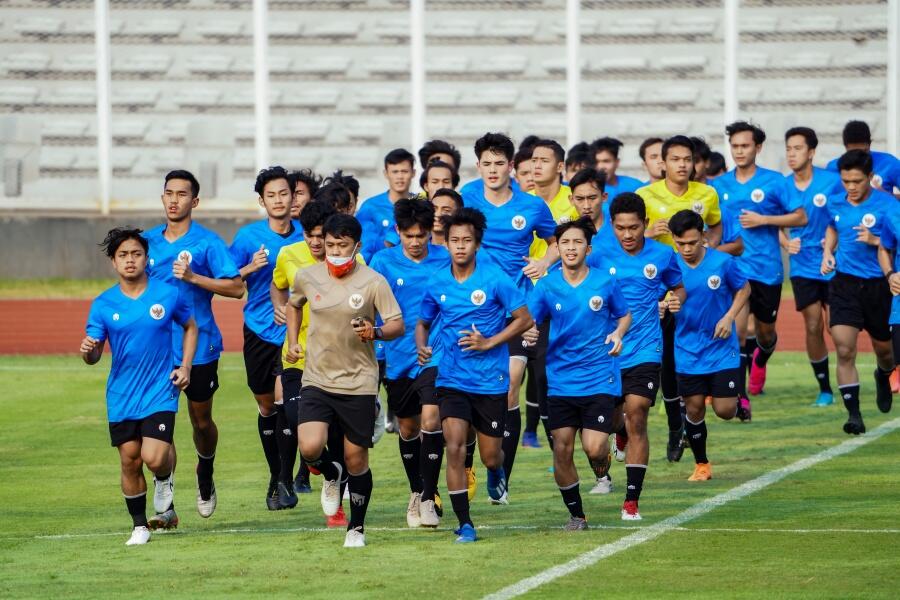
(482, 300)
(408, 280)
(731, 227)
(376, 215)
(258, 310)
(885, 170)
(852, 257)
(580, 319)
(476, 188)
(890, 240)
(207, 255)
(764, 193)
(642, 278)
(710, 287)
(140, 332)
(624, 183)
(808, 262)
(510, 231)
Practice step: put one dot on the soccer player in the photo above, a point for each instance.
(810, 187)
(138, 316)
(588, 195)
(340, 379)
(605, 152)
(376, 214)
(702, 153)
(643, 268)
(588, 317)
(438, 175)
(707, 350)
(513, 221)
(337, 195)
(468, 304)
(445, 201)
(407, 269)
(650, 152)
(439, 150)
(577, 158)
(253, 246)
(760, 199)
(885, 167)
(523, 169)
(859, 295)
(715, 167)
(186, 254)
(305, 184)
(889, 259)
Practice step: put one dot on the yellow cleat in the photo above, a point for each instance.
(702, 472)
(472, 482)
(438, 504)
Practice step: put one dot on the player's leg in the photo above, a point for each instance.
(359, 482)
(672, 401)
(765, 313)
(845, 340)
(637, 453)
(810, 298)
(877, 299)
(290, 382)
(157, 434)
(315, 416)
(532, 409)
(455, 432)
(743, 325)
(431, 456)
(259, 358)
(566, 476)
(200, 393)
(134, 488)
(404, 401)
(472, 480)
(513, 418)
(695, 389)
(286, 436)
(335, 449)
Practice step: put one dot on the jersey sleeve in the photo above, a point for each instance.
(734, 277)
(279, 273)
(429, 310)
(239, 251)
(788, 202)
(889, 233)
(545, 226)
(618, 305)
(731, 230)
(184, 308)
(377, 264)
(537, 303)
(508, 295)
(96, 326)
(714, 211)
(298, 291)
(671, 273)
(221, 264)
(385, 303)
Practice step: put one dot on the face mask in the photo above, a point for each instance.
(339, 266)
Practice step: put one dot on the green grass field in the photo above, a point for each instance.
(64, 522)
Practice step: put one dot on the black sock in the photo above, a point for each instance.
(883, 391)
(545, 421)
(850, 395)
(410, 451)
(742, 377)
(303, 471)
(360, 493)
(511, 433)
(749, 348)
(765, 353)
(572, 498)
(634, 475)
(820, 369)
(470, 455)
(673, 414)
(204, 474)
(137, 508)
(269, 441)
(287, 447)
(460, 501)
(696, 433)
(324, 465)
(532, 416)
(432, 454)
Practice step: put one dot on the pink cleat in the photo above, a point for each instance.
(757, 376)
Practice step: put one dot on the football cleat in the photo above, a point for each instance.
(355, 539)
(164, 520)
(428, 517)
(471, 483)
(824, 399)
(465, 535)
(139, 536)
(702, 472)
(604, 485)
(757, 379)
(331, 493)
(287, 498)
(576, 524)
(207, 507)
(630, 511)
(854, 425)
(412, 510)
(163, 493)
(338, 519)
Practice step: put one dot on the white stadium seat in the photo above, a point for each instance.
(355, 159)
(380, 98)
(613, 64)
(387, 65)
(512, 29)
(284, 28)
(368, 130)
(611, 95)
(197, 97)
(455, 29)
(551, 127)
(129, 129)
(812, 23)
(861, 59)
(312, 98)
(142, 64)
(302, 130)
(222, 30)
(153, 27)
(491, 98)
(322, 65)
(503, 65)
(803, 60)
(332, 30)
(77, 64)
(441, 98)
(40, 26)
(683, 62)
(68, 128)
(57, 158)
(585, 26)
(792, 94)
(126, 96)
(693, 26)
(436, 128)
(670, 95)
(554, 97)
(758, 24)
(661, 127)
(558, 66)
(447, 65)
(746, 93)
(393, 29)
(280, 64)
(470, 129)
(873, 21)
(246, 98)
(635, 26)
(69, 96)
(752, 60)
(26, 62)
(854, 93)
(210, 63)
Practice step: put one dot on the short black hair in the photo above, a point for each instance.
(399, 155)
(413, 212)
(812, 140)
(628, 203)
(685, 220)
(466, 216)
(341, 225)
(522, 155)
(759, 136)
(186, 176)
(271, 174)
(348, 181)
(584, 224)
(716, 163)
(457, 199)
(856, 132)
(530, 141)
(336, 194)
(558, 151)
(439, 164)
(314, 214)
(116, 236)
(588, 175)
(497, 143)
(856, 159)
(642, 150)
(433, 147)
(308, 177)
(579, 154)
(701, 148)
(681, 141)
(606, 144)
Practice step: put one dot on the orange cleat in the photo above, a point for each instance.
(895, 380)
(702, 472)
(338, 519)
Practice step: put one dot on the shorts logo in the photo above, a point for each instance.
(518, 222)
(477, 297)
(212, 384)
(730, 385)
(649, 385)
(443, 298)
(601, 419)
(385, 223)
(432, 456)
(595, 303)
(356, 301)
(406, 456)
(714, 282)
(400, 281)
(357, 499)
(819, 200)
(650, 271)
(868, 220)
(115, 316)
(157, 311)
(185, 256)
(697, 207)
(493, 424)
(558, 308)
(877, 180)
(162, 426)
(612, 270)
(757, 195)
(774, 312)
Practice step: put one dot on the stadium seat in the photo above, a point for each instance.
(69, 96)
(619, 64)
(197, 97)
(39, 26)
(812, 23)
(854, 94)
(142, 64)
(447, 65)
(312, 98)
(354, 160)
(471, 129)
(683, 63)
(491, 98)
(611, 95)
(125, 130)
(550, 127)
(322, 65)
(871, 22)
(284, 28)
(27, 63)
(223, 31)
(209, 64)
(683, 97)
(752, 60)
(243, 98)
(555, 98)
(332, 30)
(440, 98)
(502, 66)
(861, 59)
(693, 26)
(280, 64)
(632, 27)
(436, 128)
(302, 130)
(454, 29)
(756, 24)
(793, 94)
(242, 65)
(77, 65)
(518, 30)
(661, 127)
(746, 93)
(380, 98)
(393, 29)
(586, 26)
(125, 96)
(123, 160)
(64, 128)
(558, 66)
(803, 60)
(387, 66)
(154, 28)
(57, 159)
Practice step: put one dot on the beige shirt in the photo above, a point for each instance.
(336, 360)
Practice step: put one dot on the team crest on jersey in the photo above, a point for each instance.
(185, 256)
(819, 200)
(400, 281)
(443, 298)
(595, 303)
(478, 297)
(558, 306)
(714, 281)
(518, 222)
(877, 180)
(868, 220)
(612, 270)
(356, 301)
(650, 271)
(757, 195)
(157, 311)
(115, 316)
(698, 208)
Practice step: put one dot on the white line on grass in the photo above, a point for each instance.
(674, 523)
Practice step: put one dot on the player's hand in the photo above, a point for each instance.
(294, 354)
(531, 336)
(182, 270)
(828, 264)
(473, 340)
(793, 246)
(750, 219)
(364, 328)
(279, 313)
(88, 345)
(616, 340)
(894, 282)
(723, 328)
(536, 268)
(660, 227)
(662, 305)
(424, 353)
(865, 236)
(181, 377)
(260, 259)
(673, 303)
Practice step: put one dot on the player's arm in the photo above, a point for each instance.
(230, 287)
(723, 327)
(828, 248)
(735, 248)
(714, 234)
(795, 218)
(91, 350)
(472, 339)
(388, 309)
(95, 336)
(674, 299)
(423, 350)
(790, 245)
(615, 338)
(886, 253)
(258, 261)
(294, 318)
(391, 329)
(279, 300)
(537, 267)
(181, 376)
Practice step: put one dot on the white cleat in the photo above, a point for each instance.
(163, 493)
(618, 454)
(428, 516)
(139, 536)
(207, 507)
(355, 539)
(412, 510)
(331, 494)
(627, 516)
(603, 486)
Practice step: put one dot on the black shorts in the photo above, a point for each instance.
(290, 384)
(159, 426)
(895, 342)
(486, 412)
(584, 412)
(354, 413)
(204, 382)
(721, 384)
(262, 361)
(641, 380)
(405, 395)
(765, 300)
(809, 291)
(518, 348)
(861, 303)
(425, 384)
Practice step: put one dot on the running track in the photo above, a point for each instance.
(57, 326)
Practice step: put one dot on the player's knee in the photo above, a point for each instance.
(845, 352)
(131, 464)
(725, 411)
(695, 413)
(311, 449)
(636, 423)
(409, 429)
(357, 463)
